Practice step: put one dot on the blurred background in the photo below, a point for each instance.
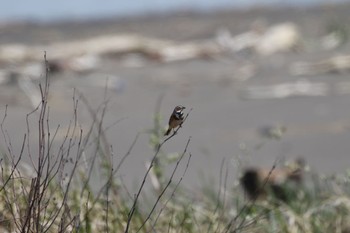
(266, 80)
(92, 9)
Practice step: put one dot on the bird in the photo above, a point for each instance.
(176, 118)
(257, 182)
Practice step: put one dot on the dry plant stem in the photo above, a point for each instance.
(253, 221)
(249, 204)
(170, 221)
(100, 134)
(7, 138)
(182, 224)
(28, 138)
(39, 183)
(113, 173)
(5, 135)
(13, 169)
(64, 205)
(108, 185)
(166, 186)
(224, 198)
(220, 183)
(126, 154)
(173, 192)
(125, 188)
(8, 203)
(219, 194)
(101, 131)
(36, 217)
(65, 192)
(61, 159)
(133, 208)
(14, 164)
(114, 123)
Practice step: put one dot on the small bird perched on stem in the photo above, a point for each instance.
(176, 119)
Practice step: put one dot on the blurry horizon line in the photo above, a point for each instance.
(93, 10)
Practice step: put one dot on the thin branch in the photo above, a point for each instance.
(166, 186)
(174, 190)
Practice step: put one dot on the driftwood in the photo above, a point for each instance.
(278, 38)
(284, 90)
(163, 50)
(337, 64)
(82, 56)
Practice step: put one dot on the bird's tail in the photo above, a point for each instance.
(167, 132)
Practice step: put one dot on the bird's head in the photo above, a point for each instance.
(179, 108)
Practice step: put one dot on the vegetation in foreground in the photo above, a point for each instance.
(54, 192)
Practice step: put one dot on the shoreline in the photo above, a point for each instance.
(168, 25)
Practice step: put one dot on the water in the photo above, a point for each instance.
(44, 10)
